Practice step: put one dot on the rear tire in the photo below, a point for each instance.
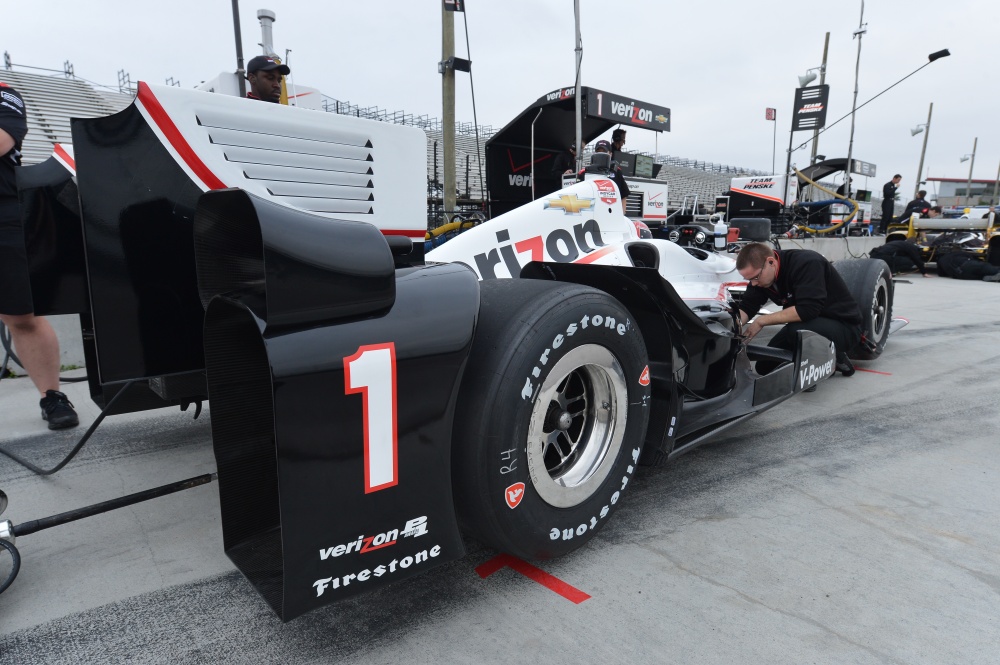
(551, 416)
(870, 282)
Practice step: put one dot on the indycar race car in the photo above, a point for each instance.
(368, 402)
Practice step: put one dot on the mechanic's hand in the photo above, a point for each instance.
(751, 330)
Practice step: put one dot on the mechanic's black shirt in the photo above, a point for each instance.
(12, 121)
(889, 194)
(901, 248)
(564, 161)
(808, 282)
(917, 205)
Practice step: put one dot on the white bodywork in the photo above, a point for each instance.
(779, 189)
(584, 224)
(329, 165)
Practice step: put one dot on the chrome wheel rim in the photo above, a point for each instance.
(880, 309)
(577, 426)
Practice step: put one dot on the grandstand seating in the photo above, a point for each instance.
(51, 102)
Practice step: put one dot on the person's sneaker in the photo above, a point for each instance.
(992, 278)
(58, 410)
(844, 364)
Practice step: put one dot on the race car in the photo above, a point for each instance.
(369, 403)
(977, 234)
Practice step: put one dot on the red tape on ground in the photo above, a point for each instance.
(548, 581)
(873, 371)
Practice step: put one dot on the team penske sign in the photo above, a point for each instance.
(626, 111)
(810, 107)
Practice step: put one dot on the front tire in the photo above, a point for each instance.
(870, 282)
(551, 416)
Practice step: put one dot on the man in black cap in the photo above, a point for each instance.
(264, 74)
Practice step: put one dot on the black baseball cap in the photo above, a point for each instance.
(602, 145)
(264, 63)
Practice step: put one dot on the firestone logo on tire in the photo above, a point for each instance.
(644, 377)
(513, 495)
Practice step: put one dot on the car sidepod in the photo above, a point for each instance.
(333, 379)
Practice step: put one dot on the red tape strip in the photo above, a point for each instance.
(538, 575)
(872, 371)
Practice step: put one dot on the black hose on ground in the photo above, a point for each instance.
(97, 421)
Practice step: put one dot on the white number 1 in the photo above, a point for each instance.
(372, 372)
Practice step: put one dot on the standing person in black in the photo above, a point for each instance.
(264, 74)
(901, 256)
(35, 341)
(564, 163)
(617, 143)
(813, 297)
(888, 202)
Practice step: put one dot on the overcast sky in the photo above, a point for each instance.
(716, 64)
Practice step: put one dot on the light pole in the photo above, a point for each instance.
(913, 132)
(996, 186)
(859, 33)
(968, 184)
(822, 80)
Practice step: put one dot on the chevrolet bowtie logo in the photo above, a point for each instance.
(570, 204)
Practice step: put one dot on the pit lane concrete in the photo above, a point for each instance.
(854, 524)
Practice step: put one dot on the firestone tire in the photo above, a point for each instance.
(551, 416)
(870, 282)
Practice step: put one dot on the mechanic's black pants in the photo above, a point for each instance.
(897, 264)
(844, 336)
(973, 269)
(883, 224)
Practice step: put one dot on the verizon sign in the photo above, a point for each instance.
(627, 111)
(810, 107)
